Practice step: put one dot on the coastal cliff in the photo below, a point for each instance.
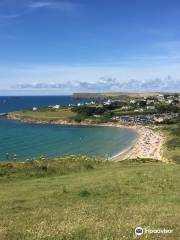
(115, 95)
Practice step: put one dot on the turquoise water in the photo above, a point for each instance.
(32, 140)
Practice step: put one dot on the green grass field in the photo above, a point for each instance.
(82, 198)
(45, 114)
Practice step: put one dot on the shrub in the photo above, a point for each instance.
(84, 193)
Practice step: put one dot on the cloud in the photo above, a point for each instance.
(12, 9)
(10, 16)
(39, 85)
(133, 85)
(106, 84)
(41, 4)
(61, 5)
(167, 84)
(27, 8)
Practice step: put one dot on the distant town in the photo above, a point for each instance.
(143, 110)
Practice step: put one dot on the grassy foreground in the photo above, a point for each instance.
(82, 198)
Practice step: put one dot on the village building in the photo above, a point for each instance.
(150, 107)
(56, 107)
(160, 98)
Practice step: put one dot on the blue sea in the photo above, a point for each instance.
(33, 140)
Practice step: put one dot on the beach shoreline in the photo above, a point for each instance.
(148, 143)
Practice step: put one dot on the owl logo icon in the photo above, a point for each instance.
(139, 231)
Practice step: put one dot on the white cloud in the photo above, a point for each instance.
(40, 4)
(105, 84)
(61, 5)
(24, 8)
(10, 16)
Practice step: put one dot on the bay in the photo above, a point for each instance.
(33, 140)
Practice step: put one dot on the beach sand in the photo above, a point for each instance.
(147, 145)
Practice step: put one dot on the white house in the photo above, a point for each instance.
(56, 107)
(150, 107)
(149, 101)
(169, 101)
(158, 119)
(139, 110)
(108, 102)
(92, 103)
(160, 98)
(125, 108)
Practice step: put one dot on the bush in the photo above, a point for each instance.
(84, 193)
(78, 118)
(88, 111)
(43, 167)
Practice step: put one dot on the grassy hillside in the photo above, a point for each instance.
(171, 148)
(82, 198)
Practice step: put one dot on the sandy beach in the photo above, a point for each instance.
(147, 145)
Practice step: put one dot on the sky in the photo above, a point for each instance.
(54, 47)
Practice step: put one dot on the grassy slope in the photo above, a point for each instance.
(171, 148)
(96, 201)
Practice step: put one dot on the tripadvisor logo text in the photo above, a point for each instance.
(139, 231)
